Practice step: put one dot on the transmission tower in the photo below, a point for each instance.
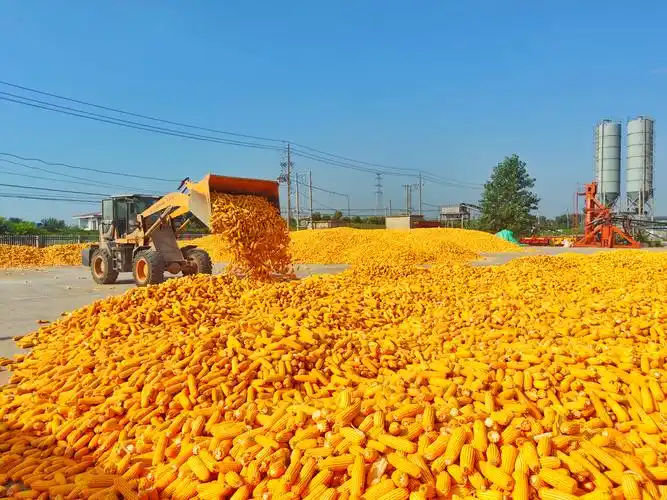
(378, 194)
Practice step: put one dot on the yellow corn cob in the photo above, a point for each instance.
(559, 481)
(358, 476)
(467, 459)
(402, 464)
(396, 494)
(454, 445)
(377, 490)
(198, 468)
(341, 462)
(496, 475)
(397, 443)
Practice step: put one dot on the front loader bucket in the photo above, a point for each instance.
(200, 192)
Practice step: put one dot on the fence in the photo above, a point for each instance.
(46, 240)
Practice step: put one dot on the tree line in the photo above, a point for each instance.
(51, 225)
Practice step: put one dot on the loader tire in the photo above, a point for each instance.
(148, 267)
(101, 267)
(199, 261)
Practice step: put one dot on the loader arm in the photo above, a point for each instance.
(179, 203)
(197, 198)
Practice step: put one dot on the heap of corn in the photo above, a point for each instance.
(23, 256)
(252, 232)
(359, 246)
(542, 378)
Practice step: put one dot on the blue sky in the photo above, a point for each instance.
(448, 87)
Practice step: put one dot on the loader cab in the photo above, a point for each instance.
(120, 212)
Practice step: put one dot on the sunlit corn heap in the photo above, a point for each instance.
(378, 246)
(252, 233)
(24, 256)
(544, 378)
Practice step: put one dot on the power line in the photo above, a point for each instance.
(51, 179)
(347, 162)
(66, 110)
(431, 178)
(55, 172)
(45, 198)
(137, 115)
(97, 170)
(323, 190)
(52, 189)
(322, 205)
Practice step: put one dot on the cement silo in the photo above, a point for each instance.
(608, 161)
(639, 167)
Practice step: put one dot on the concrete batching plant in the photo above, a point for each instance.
(608, 161)
(639, 167)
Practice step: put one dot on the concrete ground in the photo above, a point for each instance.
(28, 296)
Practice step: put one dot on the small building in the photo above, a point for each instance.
(328, 224)
(88, 222)
(409, 222)
(458, 215)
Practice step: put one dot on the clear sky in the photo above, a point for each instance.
(448, 87)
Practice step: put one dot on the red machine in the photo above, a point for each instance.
(536, 241)
(599, 228)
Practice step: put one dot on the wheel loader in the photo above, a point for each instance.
(139, 233)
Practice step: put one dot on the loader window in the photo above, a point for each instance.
(107, 211)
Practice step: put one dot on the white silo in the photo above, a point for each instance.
(639, 167)
(608, 161)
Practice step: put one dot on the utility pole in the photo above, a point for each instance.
(421, 212)
(348, 205)
(408, 198)
(289, 186)
(298, 207)
(310, 197)
(389, 208)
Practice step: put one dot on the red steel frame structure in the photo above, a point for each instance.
(599, 228)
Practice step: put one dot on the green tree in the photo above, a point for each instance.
(337, 215)
(562, 220)
(52, 224)
(317, 216)
(26, 227)
(507, 199)
(5, 226)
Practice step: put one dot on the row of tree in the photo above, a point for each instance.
(14, 225)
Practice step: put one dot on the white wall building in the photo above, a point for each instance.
(89, 222)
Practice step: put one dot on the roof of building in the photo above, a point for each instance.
(87, 216)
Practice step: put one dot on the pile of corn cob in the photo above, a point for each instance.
(377, 247)
(253, 233)
(399, 247)
(23, 256)
(542, 378)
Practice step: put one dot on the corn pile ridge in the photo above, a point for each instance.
(23, 256)
(544, 378)
(397, 247)
(378, 246)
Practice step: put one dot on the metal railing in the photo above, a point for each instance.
(46, 240)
